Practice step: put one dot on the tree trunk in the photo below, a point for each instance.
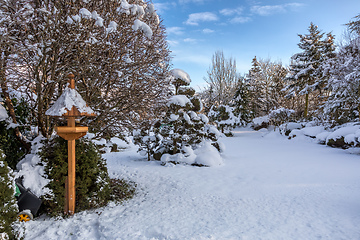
(306, 105)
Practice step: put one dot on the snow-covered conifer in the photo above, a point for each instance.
(8, 206)
(304, 73)
(240, 103)
(343, 104)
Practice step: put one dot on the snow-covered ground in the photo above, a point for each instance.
(269, 188)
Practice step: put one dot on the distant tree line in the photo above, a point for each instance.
(322, 81)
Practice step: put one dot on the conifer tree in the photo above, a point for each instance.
(343, 104)
(252, 80)
(8, 206)
(304, 74)
(241, 103)
(181, 129)
(354, 25)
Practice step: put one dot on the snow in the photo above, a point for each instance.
(111, 27)
(3, 113)
(69, 20)
(99, 21)
(204, 118)
(173, 117)
(32, 171)
(342, 132)
(268, 188)
(139, 25)
(180, 100)
(181, 74)
(85, 13)
(68, 99)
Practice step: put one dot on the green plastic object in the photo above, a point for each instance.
(17, 191)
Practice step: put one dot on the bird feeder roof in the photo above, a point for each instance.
(70, 104)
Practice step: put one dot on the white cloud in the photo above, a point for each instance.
(190, 40)
(207, 30)
(173, 42)
(175, 30)
(240, 20)
(231, 11)
(162, 7)
(274, 9)
(189, 1)
(195, 18)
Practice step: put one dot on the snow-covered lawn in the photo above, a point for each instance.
(269, 188)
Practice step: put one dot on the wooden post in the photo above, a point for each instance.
(71, 133)
(66, 207)
(71, 170)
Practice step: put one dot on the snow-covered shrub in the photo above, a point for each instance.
(8, 206)
(93, 185)
(147, 140)
(224, 118)
(177, 136)
(276, 118)
(344, 137)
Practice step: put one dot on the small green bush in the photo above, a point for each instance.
(13, 149)
(93, 186)
(8, 205)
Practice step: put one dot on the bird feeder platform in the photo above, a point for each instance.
(70, 105)
(71, 133)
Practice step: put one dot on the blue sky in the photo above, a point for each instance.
(244, 29)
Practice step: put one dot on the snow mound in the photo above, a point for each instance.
(180, 100)
(32, 172)
(205, 155)
(342, 132)
(181, 74)
(69, 99)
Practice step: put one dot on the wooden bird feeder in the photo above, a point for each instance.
(71, 106)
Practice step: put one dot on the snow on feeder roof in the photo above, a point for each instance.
(70, 103)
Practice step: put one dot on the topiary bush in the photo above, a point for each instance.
(93, 186)
(8, 205)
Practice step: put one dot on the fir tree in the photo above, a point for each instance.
(354, 25)
(343, 104)
(254, 86)
(8, 205)
(241, 103)
(304, 74)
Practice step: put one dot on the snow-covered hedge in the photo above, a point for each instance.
(344, 136)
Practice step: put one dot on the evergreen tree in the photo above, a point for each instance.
(252, 81)
(8, 205)
(224, 118)
(266, 81)
(304, 74)
(328, 53)
(92, 180)
(354, 25)
(181, 129)
(241, 103)
(343, 104)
